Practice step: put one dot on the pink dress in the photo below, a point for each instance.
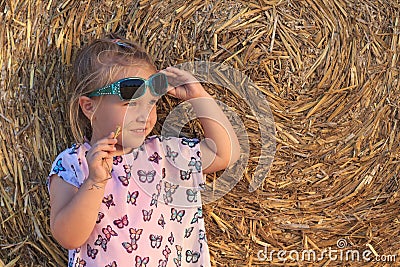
(151, 213)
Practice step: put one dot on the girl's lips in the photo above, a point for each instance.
(139, 131)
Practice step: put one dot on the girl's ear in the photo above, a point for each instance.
(88, 106)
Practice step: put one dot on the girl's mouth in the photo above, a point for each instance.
(139, 131)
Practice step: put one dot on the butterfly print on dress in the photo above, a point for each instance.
(125, 179)
(127, 168)
(189, 142)
(134, 236)
(162, 263)
(169, 191)
(191, 195)
(109, 201)
(155, 196)
(195, 163)
(73, 168)
(135, 233)
(141, 262)
(166, 252)
(203, 186)
(146, 176)
(170, 187)
(102, 242)
(192, 256)
(171, 239)
(112, 264)
(188, 232)
(202, 235)
(130, 246)
(171, 154)
(178, 259)
(147, 215)
(155, 158)
(132, 197)
(158, 187)
(100, 217)
(154, 200)
(202, 238)
(155, 240)
(59, 167)
(161, 221)
(185, 175)
(198, 215)
(74, 149)
(80, 262)
(135, 154)
(177, 215)
(109, 232)
(91, 252)
(117, 160)
(120, 223)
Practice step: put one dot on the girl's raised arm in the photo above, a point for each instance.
(221, 147)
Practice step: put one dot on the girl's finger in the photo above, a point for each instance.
(104, 150)
(108, 140)
(111, 135)
(97, 159)
(175, 71)
(169, 74)
(106, 147)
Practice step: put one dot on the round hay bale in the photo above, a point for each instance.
(328, 69)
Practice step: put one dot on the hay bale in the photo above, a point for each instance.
(329, 70)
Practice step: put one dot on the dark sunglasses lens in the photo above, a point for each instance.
(129, 88)
(159, 84)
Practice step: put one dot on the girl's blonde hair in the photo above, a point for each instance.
(95, 66)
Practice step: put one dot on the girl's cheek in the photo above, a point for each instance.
(154, 114)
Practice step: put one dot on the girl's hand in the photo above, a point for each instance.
(100, 159)
(183, 85)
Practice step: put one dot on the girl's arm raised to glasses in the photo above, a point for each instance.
(221, 147)
(74, 211)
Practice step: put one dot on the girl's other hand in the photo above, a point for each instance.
(99, 159)
(183, 85)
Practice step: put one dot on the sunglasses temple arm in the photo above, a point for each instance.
(107, 90)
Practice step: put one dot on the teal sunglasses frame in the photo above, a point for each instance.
(137, 90)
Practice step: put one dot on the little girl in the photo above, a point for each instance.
(119, 197)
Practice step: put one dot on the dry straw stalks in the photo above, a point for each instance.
(329, 69)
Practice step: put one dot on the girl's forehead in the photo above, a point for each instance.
(142, 71)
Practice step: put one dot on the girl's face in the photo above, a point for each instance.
(136, 118)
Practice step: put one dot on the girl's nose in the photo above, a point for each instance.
(144, 113)
(142, 116)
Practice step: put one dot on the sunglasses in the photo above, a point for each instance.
(134, 87)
